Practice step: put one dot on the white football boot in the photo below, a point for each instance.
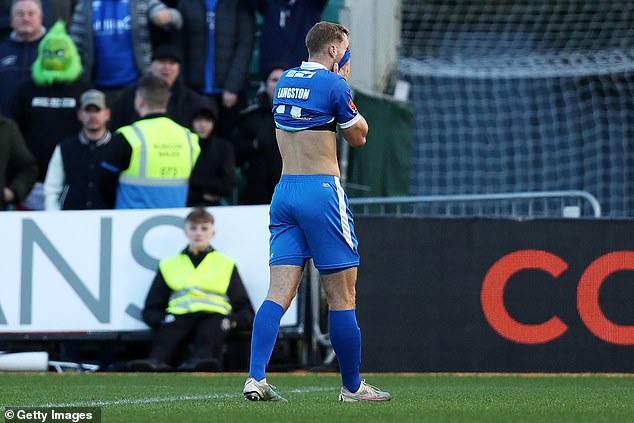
(260, 391)
(366, 392)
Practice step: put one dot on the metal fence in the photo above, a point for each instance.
(511, 205)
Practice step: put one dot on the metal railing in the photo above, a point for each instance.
(571, 203)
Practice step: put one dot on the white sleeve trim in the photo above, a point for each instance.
(54, 182)
(351, 122)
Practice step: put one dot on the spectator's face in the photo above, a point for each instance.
(203, 126)
(199, 234)
(166, 69)
(271, 82)
(26, 20)
(94, 119)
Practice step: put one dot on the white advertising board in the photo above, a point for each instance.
(90, 271)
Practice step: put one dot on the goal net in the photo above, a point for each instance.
(515, 96)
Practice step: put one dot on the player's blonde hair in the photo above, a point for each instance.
(324, 33)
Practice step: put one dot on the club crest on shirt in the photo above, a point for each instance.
(352, 106)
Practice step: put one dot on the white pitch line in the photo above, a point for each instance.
(174, 398)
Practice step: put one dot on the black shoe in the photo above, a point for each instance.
(148, 365)
(201, 365)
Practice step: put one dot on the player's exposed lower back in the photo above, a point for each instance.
(308, 152)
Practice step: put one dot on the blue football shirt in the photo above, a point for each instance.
(114, 65)
(311, 96)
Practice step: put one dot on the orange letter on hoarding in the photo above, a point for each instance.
(492, 297)
(588, 297)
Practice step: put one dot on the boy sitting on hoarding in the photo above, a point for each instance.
(196, 298)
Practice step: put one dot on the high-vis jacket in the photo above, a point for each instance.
(202, 288)
(163, 155)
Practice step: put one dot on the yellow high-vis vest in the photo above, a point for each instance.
(202, 288)
(163, 152)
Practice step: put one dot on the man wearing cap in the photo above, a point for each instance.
(184, 102)
(72, 176)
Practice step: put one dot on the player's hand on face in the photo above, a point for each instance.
(345, 71)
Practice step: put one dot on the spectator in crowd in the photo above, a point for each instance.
(184, 102)
(257, 154)
(113, 39)
(285, 23)
(53, 11)
(213, 176)
(18, 168)
(196, 297)
(152, 159)
(18, 53)
(217, 41)
(72, 179)
(45, 107)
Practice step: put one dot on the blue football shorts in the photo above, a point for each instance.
(310, 217)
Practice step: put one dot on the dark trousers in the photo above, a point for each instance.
(199, 332)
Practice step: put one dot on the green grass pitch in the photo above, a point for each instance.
(189, 398)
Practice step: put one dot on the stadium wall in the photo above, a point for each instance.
(80, 272)
(446, 295)
(548, 295)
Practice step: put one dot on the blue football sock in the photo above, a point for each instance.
(265, 328)
(345, 337)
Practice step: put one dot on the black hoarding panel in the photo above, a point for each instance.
(496, 295)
